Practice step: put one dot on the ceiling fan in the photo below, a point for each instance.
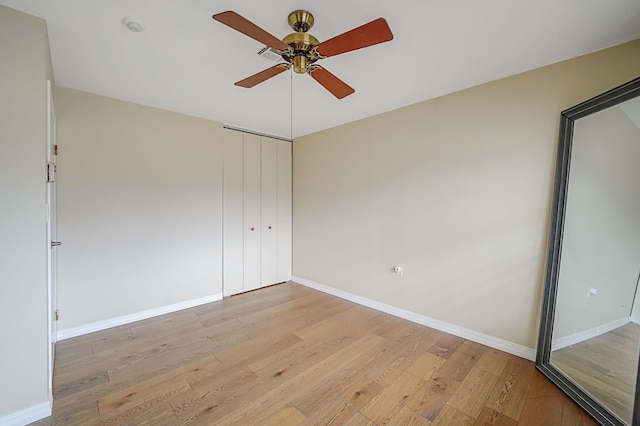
(301, 50)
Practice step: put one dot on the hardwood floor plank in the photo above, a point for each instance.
(450, 416)
(408, 417)
(493, 360)
(148, 413)
(74, 416)
(400, 351)
(288, 354)
(337, 405)
(238, 310)
(426, 366)
(87, 340)
(73, 353)
(490, 417)
(359, 420)
(471, 395)
(366, 374)
(91, 395)
(347, 323)
(165, 324)
(461, 361)
(291, 360)
(105, 345)
(248, 351)
(380, 366)
(147, 363)
(130, 352)
(510, 391)
(430, 400)
(547, 411)
(286, 416)
(81, 384)
(572, 415)
(294, 318)
(141, 394)
(263, 406)
(446, 345)
(383, 407)
(213, 394)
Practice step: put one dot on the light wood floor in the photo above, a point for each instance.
(606, 367)
(288, 355)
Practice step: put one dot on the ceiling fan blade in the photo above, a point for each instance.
(261, 76)
(374, 32)
(248, 28)
(337, 87)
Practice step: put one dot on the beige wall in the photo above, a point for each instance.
(456, 189)
(601, 239)
(24, 68)
(139, 208)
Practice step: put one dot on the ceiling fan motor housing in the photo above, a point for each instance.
(302, 55)
(300, 42)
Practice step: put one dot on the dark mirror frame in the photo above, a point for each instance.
(568, 117)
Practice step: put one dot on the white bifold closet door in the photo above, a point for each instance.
(257, 212)
(233, 215)
(269, 216)
(284, 222)
(251, 212)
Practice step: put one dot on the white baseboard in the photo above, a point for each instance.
(126, 319)
(581, 336)
(484, 339)
(28, 415)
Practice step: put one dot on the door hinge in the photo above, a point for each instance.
(57, 315)
(51, 172)
(55, 150)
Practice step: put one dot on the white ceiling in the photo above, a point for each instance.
(186, 62)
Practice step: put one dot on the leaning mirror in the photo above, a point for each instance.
(590, 330)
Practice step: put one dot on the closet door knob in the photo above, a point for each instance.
(253, 229)
(269, 227)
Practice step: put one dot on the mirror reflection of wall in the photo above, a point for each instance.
(596, 335)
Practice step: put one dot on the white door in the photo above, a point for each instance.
(51, 233)
(251, 201)
(269, 211)
(233, 214)
(284, 211)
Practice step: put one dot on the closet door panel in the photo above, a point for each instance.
(284, 211)
(269, 211)
(251, 198)
(232, 231)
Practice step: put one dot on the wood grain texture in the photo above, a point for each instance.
(289, 355)
(605, 366)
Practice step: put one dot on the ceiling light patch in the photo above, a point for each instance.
(133, 24)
